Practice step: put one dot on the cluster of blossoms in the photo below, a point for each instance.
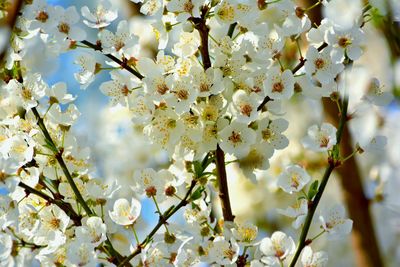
(220, 88)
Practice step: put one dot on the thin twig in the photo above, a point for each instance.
(58, 155)
(161, 221)
(123, 63)
(66, 207)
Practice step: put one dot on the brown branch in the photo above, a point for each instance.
(123, 63)
(201, 26)
(66, 207)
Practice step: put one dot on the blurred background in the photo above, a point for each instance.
(368, 185)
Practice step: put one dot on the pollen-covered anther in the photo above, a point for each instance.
(246, 109)
(182, 94)
(235, 137)
(42, 16)
(319, 63)
(63, 27)
(278, 87)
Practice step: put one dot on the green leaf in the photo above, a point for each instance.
(197, 194)
(198, 169)
(313, 190)
(50, 146)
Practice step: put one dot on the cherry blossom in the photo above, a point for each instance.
(334, 223)
(236, 139)
(203, 96)
(293, 179)
(276, 248)
(125, 213)
(320, 138)
(309, 258)
(321, 65)
(101, 16)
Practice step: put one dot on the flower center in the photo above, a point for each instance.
(295, 181)
(125, 91)
(42, 16)
(162, 88)
(277, 87)
(26, 94)
(188, 6)
(235, 137)
(323, 141)
(266, 134)
(246, 109)
(182, 94)
(55, 223)
(343, 42)
(63, 27)
(204, 87)
(119, 45)
(319, 63)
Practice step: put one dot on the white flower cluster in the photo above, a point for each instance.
(220, 87)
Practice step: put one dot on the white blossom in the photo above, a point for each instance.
(309, 258)
(279, 85)
(293, 179)
(298, 211)
(334, 223)
(276, 249)
(125, 213)
(236, 139)
(376, 95)
(321, 65)
(101, 16)
(320, 138)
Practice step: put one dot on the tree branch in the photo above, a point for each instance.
(58, 155)
(66, 207)
(364, 240)
(333, 163)
(201, 26)
(123, 63)
(161, 221)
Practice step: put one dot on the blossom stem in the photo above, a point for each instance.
(159, 212)
(328, 171)
(313, 6)
(318, 235)
(135, 234)
(350, 156)
(299, 49)
(162, 220)
(304, 193)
